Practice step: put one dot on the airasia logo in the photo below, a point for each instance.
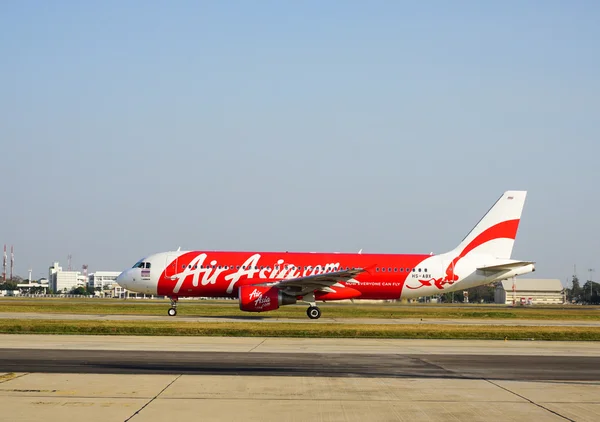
(261, 301)
(205, 271)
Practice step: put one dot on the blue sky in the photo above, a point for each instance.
(134, 127)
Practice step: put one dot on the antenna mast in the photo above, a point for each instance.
(4, 265)
(69, 260)
(12, 260)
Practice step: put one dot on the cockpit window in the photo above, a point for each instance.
(141, 264)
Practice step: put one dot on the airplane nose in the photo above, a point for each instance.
(122, 279)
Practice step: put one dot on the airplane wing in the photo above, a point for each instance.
(311, 283)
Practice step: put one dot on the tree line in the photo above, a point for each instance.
(589, 293)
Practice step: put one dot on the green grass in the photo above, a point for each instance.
(210, 308)
(235, 329)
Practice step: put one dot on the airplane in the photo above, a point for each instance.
(265, 281)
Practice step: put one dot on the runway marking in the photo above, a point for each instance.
(153, 398)
(530, 401)
(11, 376)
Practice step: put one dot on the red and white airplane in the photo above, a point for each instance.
(264, 281)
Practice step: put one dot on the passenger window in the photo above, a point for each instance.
(390, 269)
(377, 269)
(419, 270)
(425, 270)
(383, 270)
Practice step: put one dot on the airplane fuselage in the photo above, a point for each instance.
(219, 274)
(264, 281)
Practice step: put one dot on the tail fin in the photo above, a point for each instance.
(495, 233)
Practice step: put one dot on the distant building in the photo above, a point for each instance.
(42, 283)
(103, 279)
(529, 291)
(64, 281)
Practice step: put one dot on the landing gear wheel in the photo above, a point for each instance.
(313, 312)
(173, 310)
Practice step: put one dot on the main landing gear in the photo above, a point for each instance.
(173, 309)
(313, 312)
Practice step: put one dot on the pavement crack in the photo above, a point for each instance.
(257, 346)
(530, 401)
(153, 398)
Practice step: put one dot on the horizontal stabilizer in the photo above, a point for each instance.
(506, 267)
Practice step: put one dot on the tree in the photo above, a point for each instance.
(8, 285)
(79, 291)
(594, 297)
(483, 294)
(452, 297)
(574, 294)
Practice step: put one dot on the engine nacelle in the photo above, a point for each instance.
(262, 298)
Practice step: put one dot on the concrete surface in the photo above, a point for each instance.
(181, 317)
(395, 380)
(139, 398)
(300, 345)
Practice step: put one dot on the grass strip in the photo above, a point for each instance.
(234, 329)
(330, 310)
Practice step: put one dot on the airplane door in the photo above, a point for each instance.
(171, 265)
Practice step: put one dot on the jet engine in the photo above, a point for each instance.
(262, 298)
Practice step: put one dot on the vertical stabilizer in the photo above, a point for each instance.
(495, 233)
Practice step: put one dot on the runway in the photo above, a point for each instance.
(516, 368)
(129, 378)
(182, 318)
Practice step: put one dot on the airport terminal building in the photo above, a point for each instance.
(528, 291)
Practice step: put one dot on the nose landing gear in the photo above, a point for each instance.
(173, 309)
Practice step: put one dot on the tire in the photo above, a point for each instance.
(313, 312)
(172, 312)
